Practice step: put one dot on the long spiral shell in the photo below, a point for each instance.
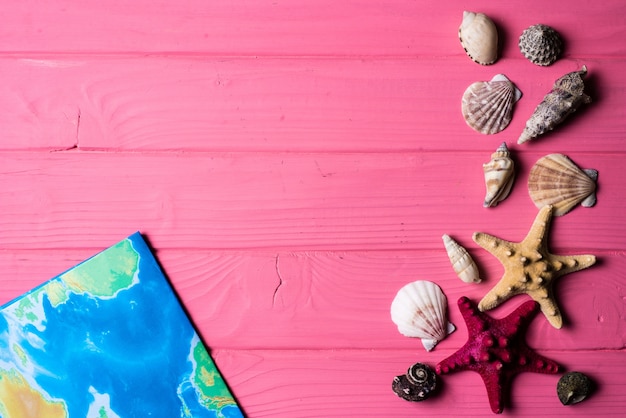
(462, 262)
(566, 96)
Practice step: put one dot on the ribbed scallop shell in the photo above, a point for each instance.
(479, 37)
(487, 106)
(462, 262)
(566, 96)
(420, 310)
(555, 180)
(499, 176)
(541, 44)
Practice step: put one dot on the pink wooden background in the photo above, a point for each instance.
(293, 164)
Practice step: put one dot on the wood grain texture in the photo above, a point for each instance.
(293, 164)
(278, 104)
(297, 201)
(396, 27)
(297, 382)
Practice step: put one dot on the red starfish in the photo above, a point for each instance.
(496, 349)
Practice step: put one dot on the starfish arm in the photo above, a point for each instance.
(494, 383)
(537, 232)
(564, 264)
(499, 248)
(535, 362)
(548, 306)
(500, 293)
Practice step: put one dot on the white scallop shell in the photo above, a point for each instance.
(420, 310)
(499, 176)
(479, 37)
(487, 106)
(555, 180)
(462, 262)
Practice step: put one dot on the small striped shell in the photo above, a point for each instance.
(419, 309)
(541, 44)
(555, 180)
(462, 262)
(499, 176)
(487, 106)
(479, 37)
(417, 385)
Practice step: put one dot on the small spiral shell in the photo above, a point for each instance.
(419, 382)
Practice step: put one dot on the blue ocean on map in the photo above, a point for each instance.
(108, 338)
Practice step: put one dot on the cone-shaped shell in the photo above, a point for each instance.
(565, 97)
(487, 106)
(499, 176)
(420, 310)
(541, 44)
(555, 180)
(479, 37)
(462, 262)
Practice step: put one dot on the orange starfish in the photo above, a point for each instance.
(530, 268)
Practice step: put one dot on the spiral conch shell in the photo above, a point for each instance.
(565, 97)
(419, 309)
(462, 262)
(555, 180)
(499, 176)
(487, 106)
(479, 37)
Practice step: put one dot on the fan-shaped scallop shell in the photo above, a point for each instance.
(555, 180)
(487, 106)
(499, 176)
(541, 44)
(419, 309)
(462, 262)
(419, 382)
(566, 96)
(479, 37)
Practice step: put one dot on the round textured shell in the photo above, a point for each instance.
(573, 387)
(419, 309)
(419, 382)
(479, 37)
(555, 180)
(541, 44)
(487, 106)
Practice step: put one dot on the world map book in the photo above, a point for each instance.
(107, 339)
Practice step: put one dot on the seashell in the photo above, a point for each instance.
(479, 37)
(555, 180)
(420, 310)
(487, 106)
(499, 176)
(419, 382)
(565, 97)
(462, 262)
(541, 44)
(573, 387)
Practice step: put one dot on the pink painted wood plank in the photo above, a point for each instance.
(397, 27)
(339, 383)
(328, 300)
(288, 104)
(294, 201)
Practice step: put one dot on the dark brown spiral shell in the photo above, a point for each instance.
(417, 384)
